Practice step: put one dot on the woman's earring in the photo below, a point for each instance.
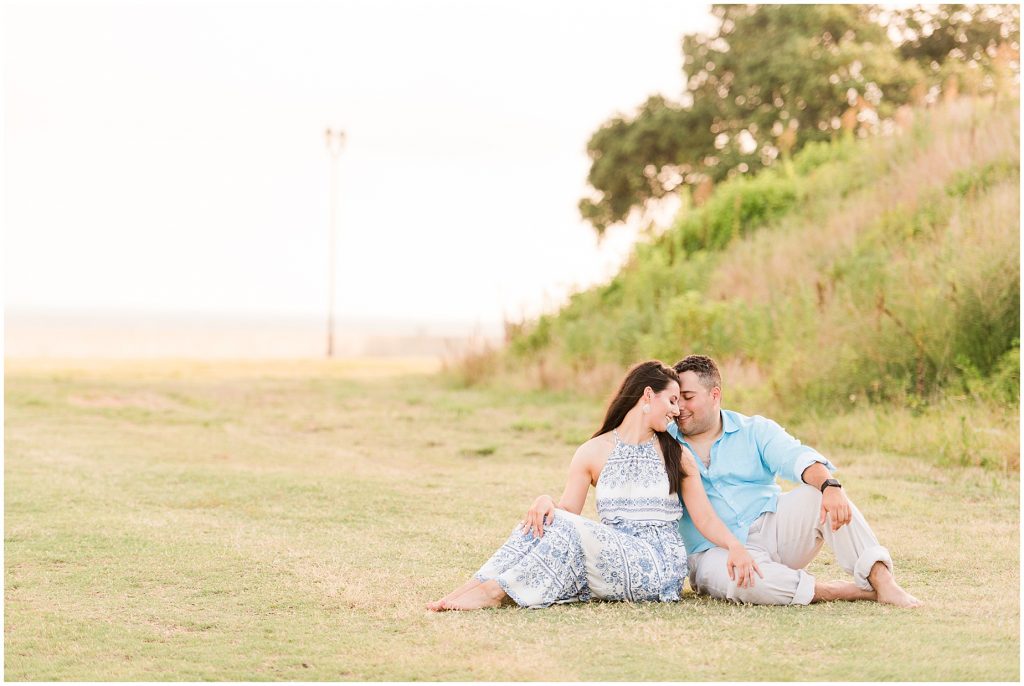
(646, 408)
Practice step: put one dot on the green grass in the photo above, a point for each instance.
(182, 521)
(885, 270)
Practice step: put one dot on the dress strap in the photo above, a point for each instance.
(619, 441)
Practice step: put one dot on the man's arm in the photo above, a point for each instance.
(787, 457)
(815, 475)
(833, 499)
(784, 455)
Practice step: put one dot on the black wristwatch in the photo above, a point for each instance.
(830, 482)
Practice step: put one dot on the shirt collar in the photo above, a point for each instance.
(729, 424)
(674, 432)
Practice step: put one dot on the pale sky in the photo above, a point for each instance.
(169, 156)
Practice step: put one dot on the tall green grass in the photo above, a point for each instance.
(881, 273)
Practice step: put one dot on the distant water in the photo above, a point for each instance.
(126, 335)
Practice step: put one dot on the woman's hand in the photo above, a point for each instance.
(741, 566)
(540, 513)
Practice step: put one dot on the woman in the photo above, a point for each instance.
(635, 553)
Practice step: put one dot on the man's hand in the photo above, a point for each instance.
(834, 502)
(741, 566)
(540, 513)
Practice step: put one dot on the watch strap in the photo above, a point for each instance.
(830, 482)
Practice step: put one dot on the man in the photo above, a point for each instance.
(738, 458)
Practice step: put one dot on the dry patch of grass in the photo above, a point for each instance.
(289, 521)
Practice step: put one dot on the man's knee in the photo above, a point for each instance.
(800, 508)
(804, 495)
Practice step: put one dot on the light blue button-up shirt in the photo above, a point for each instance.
(740, 481)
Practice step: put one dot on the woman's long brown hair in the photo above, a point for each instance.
(656, 375)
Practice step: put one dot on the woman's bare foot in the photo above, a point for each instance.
(438, 605)
(840, 590)
(889, 592)
(487, 594)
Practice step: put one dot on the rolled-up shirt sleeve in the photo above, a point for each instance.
(784, 455)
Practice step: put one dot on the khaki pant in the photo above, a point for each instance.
(783, 543)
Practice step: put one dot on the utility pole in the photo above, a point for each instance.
(335, 140)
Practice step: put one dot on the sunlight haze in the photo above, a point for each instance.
(170, 157)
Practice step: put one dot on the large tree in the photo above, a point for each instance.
(770, 80)
(979, 44)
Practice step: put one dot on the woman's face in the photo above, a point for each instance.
(664, 407)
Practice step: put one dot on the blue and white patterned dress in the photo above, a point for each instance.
(635, 553)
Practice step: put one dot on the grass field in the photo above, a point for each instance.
(288, 521)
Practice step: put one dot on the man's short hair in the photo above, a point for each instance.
(704, 367)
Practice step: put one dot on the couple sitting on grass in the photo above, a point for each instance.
(744, 539)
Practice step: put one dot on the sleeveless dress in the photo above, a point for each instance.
(635, 553)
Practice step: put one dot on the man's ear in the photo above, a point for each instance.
(716, 394)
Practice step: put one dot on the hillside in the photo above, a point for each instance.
(874, 282)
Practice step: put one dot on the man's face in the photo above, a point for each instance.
(698, 406)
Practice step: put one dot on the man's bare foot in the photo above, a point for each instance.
(487, 594)
(840, 590)
(889, 592)
(895, 595)
(438, 605)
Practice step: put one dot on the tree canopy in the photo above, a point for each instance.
(773, 78)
